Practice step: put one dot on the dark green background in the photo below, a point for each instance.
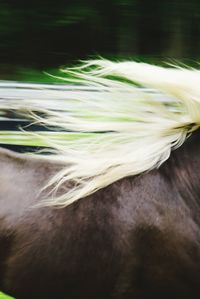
(43, 34)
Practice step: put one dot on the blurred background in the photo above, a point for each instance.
(42, 35)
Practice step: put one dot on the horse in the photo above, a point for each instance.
(111, 209)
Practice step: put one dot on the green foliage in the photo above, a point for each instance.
(4, 296)
(45, 34)
(33, 75)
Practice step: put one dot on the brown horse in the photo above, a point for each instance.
(119, 227)
(137, 238)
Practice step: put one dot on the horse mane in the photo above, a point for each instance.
(120, 119)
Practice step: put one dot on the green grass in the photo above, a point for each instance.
(3, 296)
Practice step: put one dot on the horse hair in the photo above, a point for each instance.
(120, 119)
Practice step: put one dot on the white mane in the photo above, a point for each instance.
(123, 120)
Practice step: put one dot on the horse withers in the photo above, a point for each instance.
(112, 212)
(137, 238)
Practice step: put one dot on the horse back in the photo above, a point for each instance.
(133, 239)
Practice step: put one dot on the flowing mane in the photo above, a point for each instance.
(120, 119)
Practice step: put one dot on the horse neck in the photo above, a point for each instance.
(183, 171)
